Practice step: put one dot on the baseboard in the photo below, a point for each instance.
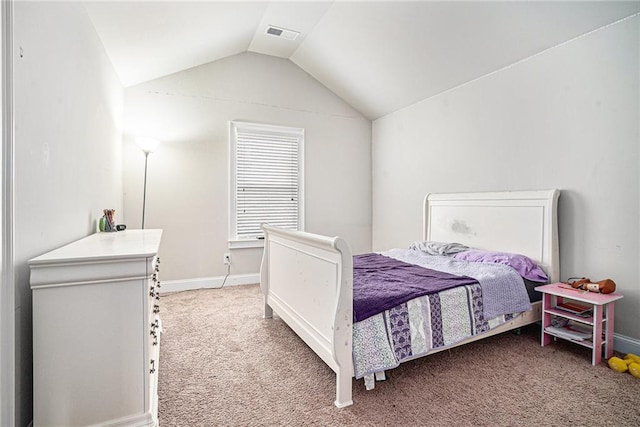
(625, 344)
(208, 282)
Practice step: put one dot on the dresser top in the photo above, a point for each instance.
(105, 246)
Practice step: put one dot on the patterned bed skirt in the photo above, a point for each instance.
(419, 326)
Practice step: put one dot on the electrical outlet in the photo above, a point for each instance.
(227, 258)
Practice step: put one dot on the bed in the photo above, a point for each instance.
(307, 279)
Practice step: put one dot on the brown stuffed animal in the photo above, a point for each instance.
(605, 286)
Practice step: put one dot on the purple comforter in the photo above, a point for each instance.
(380, 283)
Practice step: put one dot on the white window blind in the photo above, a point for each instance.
(266, 178)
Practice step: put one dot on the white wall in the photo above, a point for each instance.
(188, 176)
(68, 110)
(567, 118)
(6, 298)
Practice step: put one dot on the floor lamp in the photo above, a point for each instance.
(147, 145)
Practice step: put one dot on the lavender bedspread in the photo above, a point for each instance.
(503, 290)
(381, 282)
(437, 320)
(418, 326)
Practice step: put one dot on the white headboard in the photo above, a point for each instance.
(523, 222)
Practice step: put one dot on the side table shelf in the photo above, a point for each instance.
(603, 306)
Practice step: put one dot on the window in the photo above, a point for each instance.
(266, 181)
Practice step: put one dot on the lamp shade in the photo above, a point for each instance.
(148, 145)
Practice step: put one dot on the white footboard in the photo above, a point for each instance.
(307, 280)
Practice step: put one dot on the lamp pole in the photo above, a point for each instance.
(147, 145)
(144, 191)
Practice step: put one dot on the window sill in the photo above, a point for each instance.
(243, 244)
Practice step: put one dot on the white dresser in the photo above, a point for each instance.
(96, 331)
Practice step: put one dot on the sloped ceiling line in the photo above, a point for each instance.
(379, 56)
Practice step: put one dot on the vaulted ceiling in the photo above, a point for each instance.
(379, 56)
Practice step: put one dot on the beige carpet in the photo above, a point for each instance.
(222, 364)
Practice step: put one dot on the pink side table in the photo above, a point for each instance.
(603, 306)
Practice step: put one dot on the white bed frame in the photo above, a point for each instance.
(307, 279)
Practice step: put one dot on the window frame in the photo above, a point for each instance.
(234, 241)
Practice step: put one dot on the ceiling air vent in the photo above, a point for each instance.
(281, 32)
